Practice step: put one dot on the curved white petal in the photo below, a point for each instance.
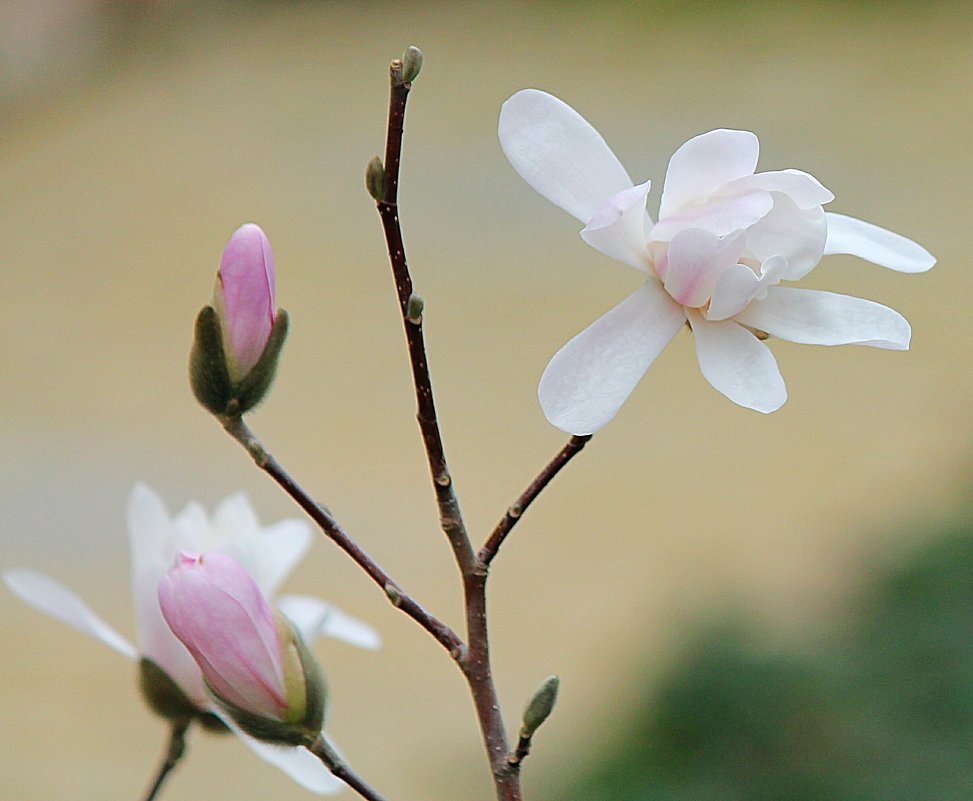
(719, 217)
(587, 381)
(558, 153)
(877, 245)
(737, 364)
(298, 763)
(704, 163)
(734, 290)
(154, 542)
(804, 189)
(825, 318)
(619, 227)
(739, 285)
(796, 234)
(695, 261)
(49, 596)
(148, 531)
(314, 617)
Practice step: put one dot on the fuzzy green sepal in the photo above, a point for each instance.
(300, 726)
(210, 376)
(207, 363)
(166, 698)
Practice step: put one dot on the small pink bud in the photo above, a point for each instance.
(244, 298)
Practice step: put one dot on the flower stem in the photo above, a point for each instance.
(517, 509)
(442, 633)
(175, 751)
(322, 749)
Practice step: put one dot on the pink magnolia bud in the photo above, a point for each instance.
(244, 298)
(254, 662)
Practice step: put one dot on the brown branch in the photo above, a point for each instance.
(410, 307)
(443, 634)
(323, 751)
(476, 661)
(517, 509)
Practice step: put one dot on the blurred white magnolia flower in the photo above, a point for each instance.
(269, 554)
(724, 239)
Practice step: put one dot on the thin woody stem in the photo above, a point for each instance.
(517, 509)
(174, 752)
(410, 306)
(475, 663)
(322, 749)
(442, 633)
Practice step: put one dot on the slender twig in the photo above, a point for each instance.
(476, 662)
(443, 634)
(450, 517)
(517, 509)
(174, 752)
(322, 749)
(516, 759)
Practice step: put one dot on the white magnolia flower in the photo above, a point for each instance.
(724, 240)
(269, 554)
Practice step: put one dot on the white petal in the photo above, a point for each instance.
(738, 364)
(619, 227)
(314, 617)
(275, 552)
(44, 593)
(805, 190)
(704, 163)
(559, 154)
(739, 285)
(148, 530)
(587, 381)
(298, 763)
(796, 234)
(695, 261)
(719, 217)
(824, 318)
(877, 245)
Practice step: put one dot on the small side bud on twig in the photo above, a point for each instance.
(413, 310)
(540, 706)
(411, 64)
(375, 178)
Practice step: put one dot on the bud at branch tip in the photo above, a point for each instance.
(411, 64)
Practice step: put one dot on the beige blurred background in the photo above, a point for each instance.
(134, 138)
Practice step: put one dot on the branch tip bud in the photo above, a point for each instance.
(411, 64)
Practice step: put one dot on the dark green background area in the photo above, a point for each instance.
(880, 711)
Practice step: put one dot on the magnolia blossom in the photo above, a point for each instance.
(724, 240)
(244, 298)
(247, 657)
(269, 555)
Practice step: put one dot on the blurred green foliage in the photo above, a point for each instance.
(882, 711)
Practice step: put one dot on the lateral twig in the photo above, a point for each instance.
(517, 509)
(322, 749)
(443, 634)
